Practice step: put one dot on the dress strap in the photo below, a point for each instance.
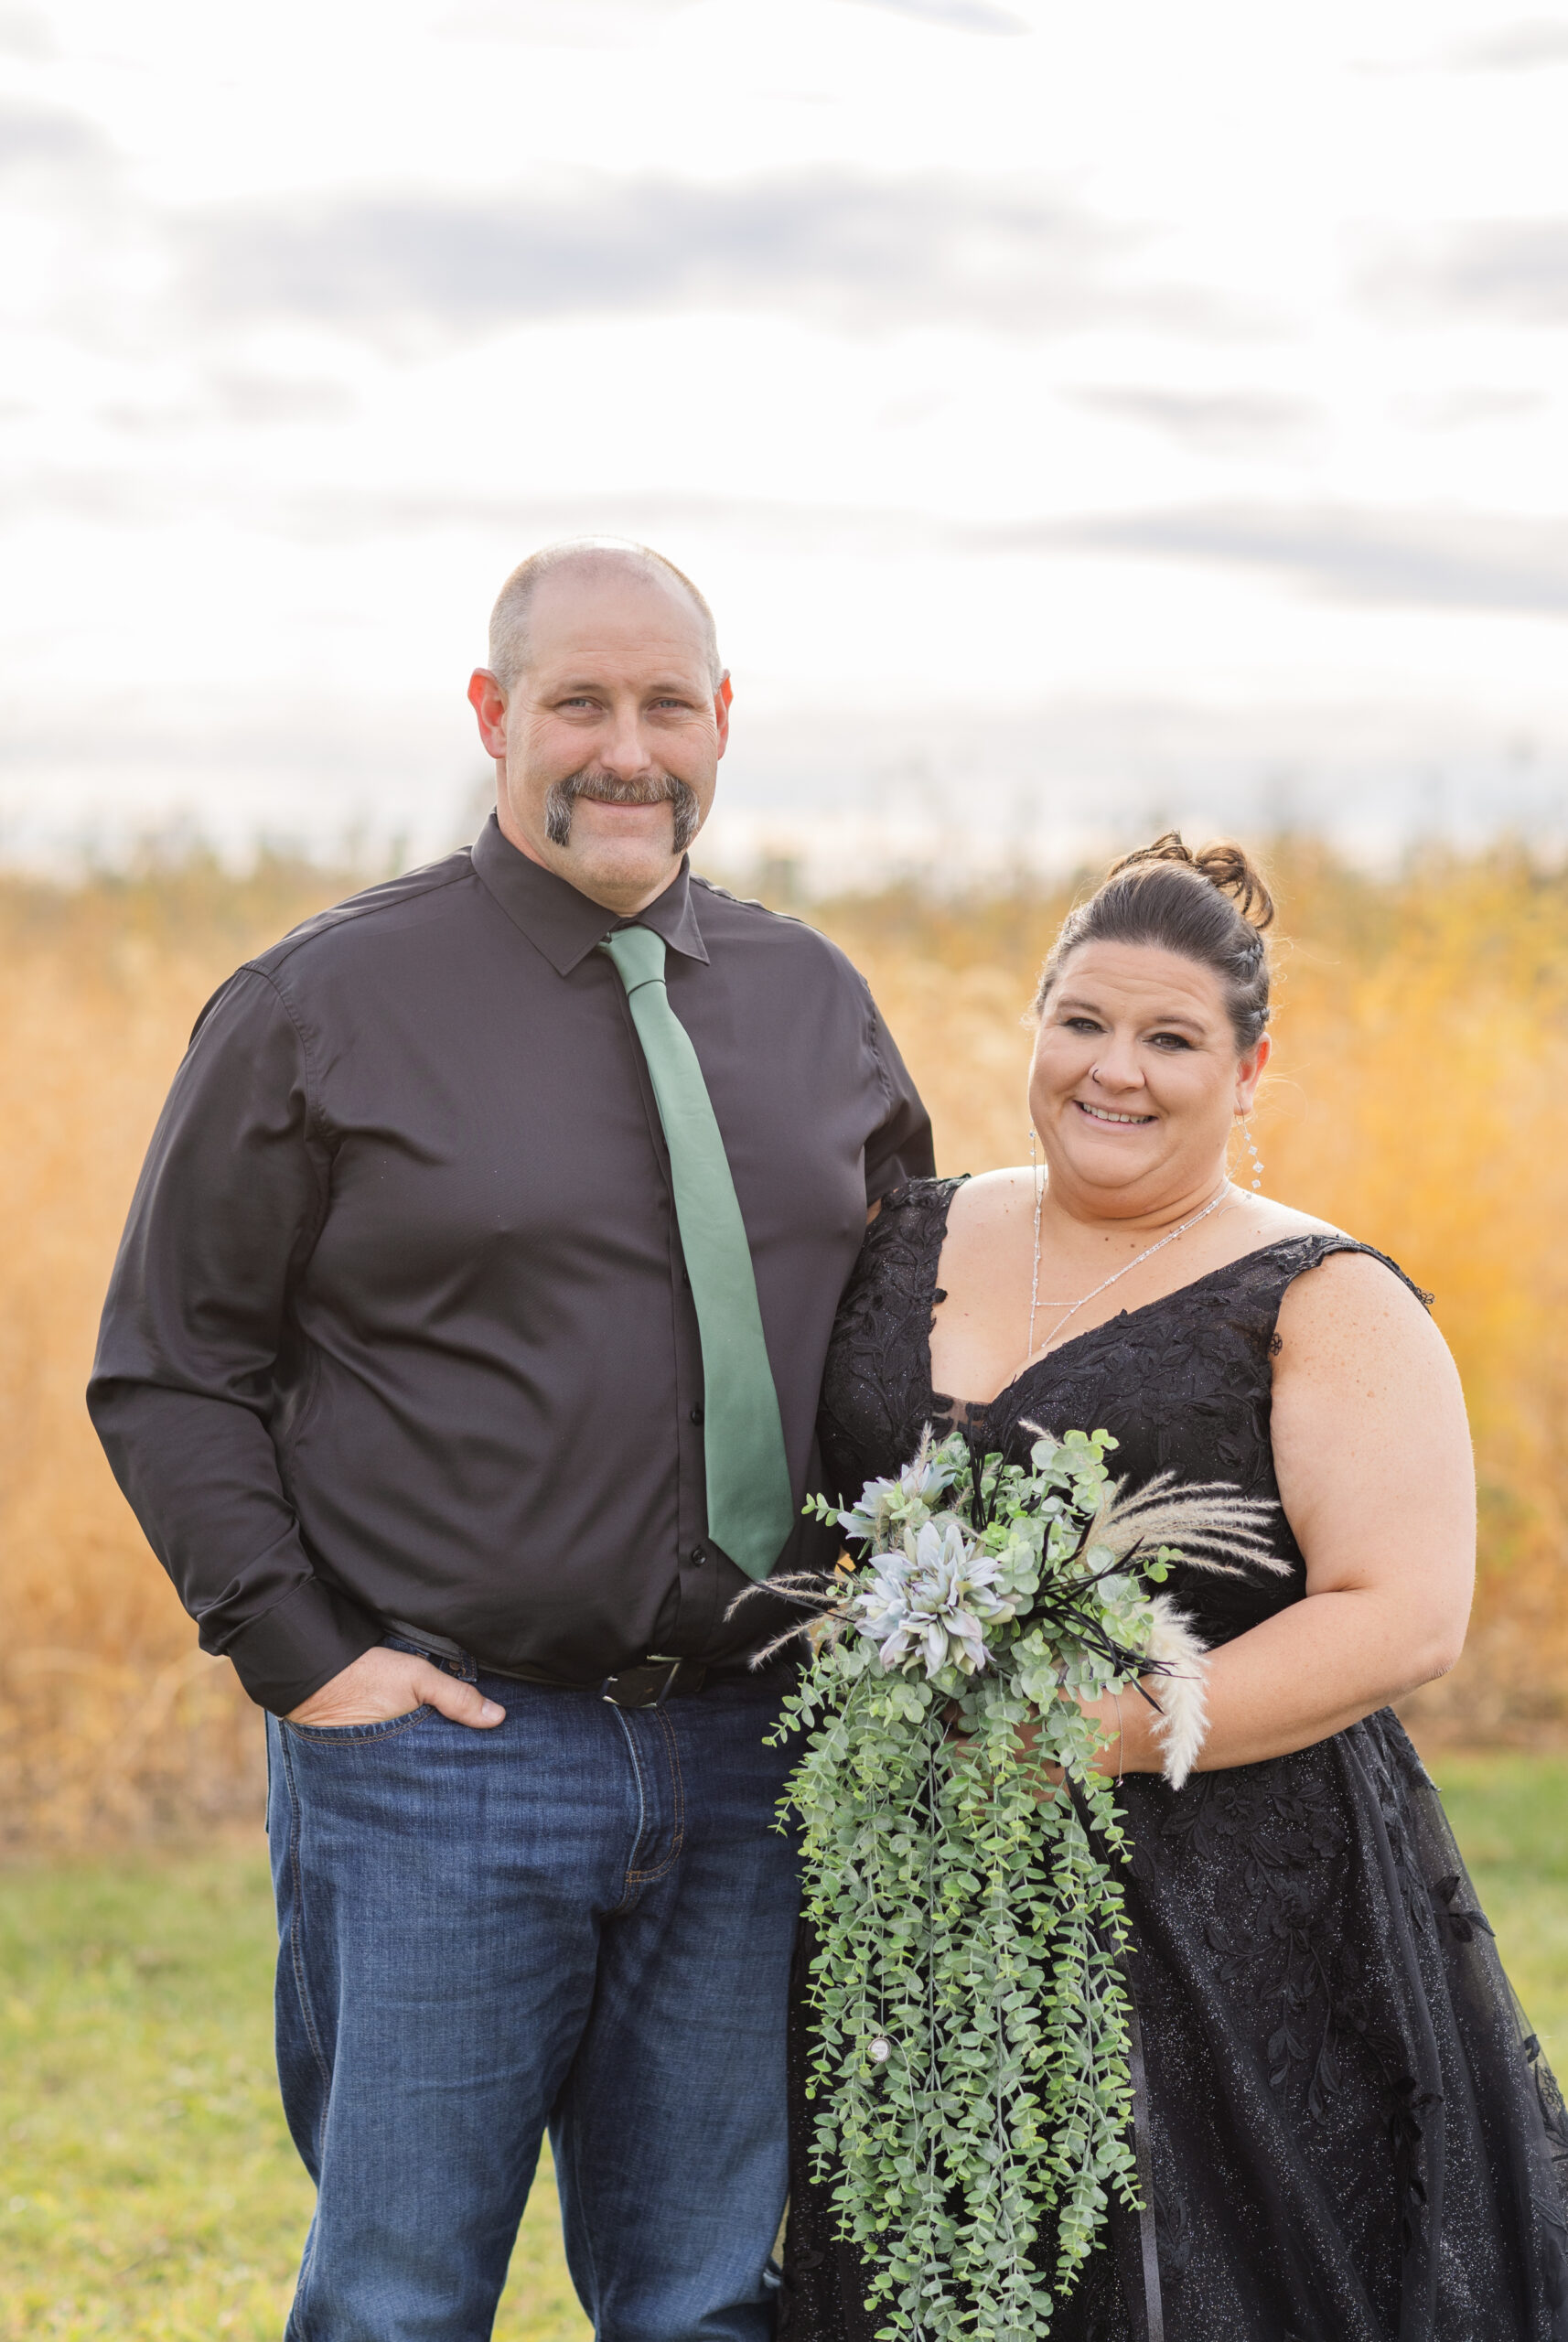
(1297, 1254)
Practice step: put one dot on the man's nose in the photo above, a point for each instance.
(623, 746)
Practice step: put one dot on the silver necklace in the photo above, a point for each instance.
(1073, 1308)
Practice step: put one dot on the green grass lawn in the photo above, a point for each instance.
(147, 2187)
(148, 2184)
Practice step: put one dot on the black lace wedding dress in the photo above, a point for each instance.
(1347, 2132)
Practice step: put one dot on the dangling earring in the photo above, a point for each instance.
(1256, 1160)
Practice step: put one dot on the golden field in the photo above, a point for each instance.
(1418, 1098)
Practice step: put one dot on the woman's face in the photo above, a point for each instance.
(1136, 1080)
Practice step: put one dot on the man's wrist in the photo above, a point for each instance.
(301, 1643)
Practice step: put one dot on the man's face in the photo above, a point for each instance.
(607, 745)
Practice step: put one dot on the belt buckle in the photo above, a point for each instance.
(647, 1670)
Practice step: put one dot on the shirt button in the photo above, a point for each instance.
(696, 1557)
(696, 1414)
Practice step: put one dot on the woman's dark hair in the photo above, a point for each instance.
(1211, 907)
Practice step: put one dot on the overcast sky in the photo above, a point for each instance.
(1078, 415)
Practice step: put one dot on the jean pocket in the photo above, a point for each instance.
(450, 1661)
(384, 1728)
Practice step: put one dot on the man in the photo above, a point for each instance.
(460, 1362)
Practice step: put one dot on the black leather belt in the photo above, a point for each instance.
(647, 1685)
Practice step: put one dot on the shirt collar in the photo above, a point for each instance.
(565, 925)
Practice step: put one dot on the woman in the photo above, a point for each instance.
(1346, 2134)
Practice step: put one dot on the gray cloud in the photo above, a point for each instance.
(348, 516)
(958, 16)
(1435, 560)
(1343, 552)
(1213, 422)
(33, 136)
(1406, 557)
(1507, 268)
(1513, 49)
(1014, 256)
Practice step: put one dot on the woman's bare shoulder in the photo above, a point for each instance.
(1346, 1298)
(1352, 1308)
(1267, 1223)
(991, 1201)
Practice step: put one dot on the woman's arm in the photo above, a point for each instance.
(1372, 1453)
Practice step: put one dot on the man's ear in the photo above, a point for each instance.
(488, 699)
(722, 699)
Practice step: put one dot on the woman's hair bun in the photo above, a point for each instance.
(1229, 867)
(1210, 907)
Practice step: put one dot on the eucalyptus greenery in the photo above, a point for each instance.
(970, 2068)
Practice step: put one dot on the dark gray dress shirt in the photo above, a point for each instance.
(399, 1328)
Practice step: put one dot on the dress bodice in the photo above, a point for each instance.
(1183, 1384)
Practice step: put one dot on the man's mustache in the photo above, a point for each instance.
(653, 789)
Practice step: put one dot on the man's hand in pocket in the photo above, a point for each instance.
(383, 1683)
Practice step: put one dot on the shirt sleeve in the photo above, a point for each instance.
(183, 1391)
(901, 1148)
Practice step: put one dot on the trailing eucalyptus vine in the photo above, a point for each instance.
(970, 2070)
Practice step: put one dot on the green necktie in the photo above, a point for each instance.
(751, 1509)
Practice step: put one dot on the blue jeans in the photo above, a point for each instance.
(582, 1920)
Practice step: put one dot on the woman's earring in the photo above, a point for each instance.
(1256, 1160)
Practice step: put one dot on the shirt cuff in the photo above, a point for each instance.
(301, 1643)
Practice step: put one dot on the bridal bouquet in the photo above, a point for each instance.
(971, 2066)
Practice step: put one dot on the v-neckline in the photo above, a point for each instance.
(973, 1410)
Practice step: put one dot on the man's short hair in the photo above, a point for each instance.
(508, 619)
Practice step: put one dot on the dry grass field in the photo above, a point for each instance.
(1420, 1098)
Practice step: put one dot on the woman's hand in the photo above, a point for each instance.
(1127, 1721)
(1127, 1743)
